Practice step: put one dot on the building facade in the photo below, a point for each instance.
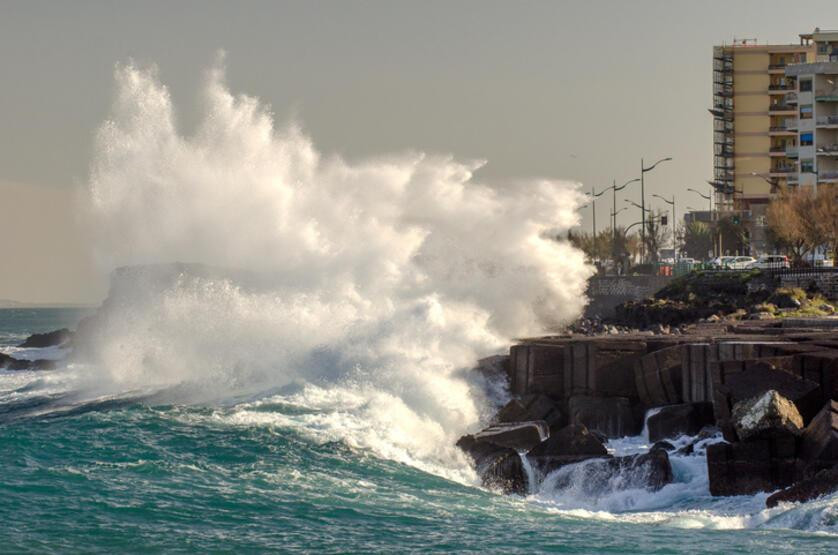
(755, 135)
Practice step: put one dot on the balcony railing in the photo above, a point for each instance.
(829, 95)
(828, 149)
(784, 169)
(781, 108)
(791, 152)
(827, 120)
(780, 87)
(777, 66)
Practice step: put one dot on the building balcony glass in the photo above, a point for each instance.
(781, 108)
(827, 95)
(828, 150)
(827, 121)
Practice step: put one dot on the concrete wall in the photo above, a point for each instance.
(606, 292)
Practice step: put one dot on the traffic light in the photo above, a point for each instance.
(735, 219)
(663, 220)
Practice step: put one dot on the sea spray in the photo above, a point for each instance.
(380, 281)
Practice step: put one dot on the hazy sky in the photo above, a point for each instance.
(577, 90)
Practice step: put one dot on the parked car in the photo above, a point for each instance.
(721, 262)
(741, 262)
(771, 262)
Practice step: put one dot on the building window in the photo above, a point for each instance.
(822, 47)
(807, 166)
(806, 139)
(805, 85)
(806, 111)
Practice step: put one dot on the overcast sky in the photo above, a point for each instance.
(576, 90)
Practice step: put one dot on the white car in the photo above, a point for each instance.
(741, 262)
(772, 262)
(721, 262)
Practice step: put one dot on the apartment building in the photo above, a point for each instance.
(755, 136)
(817, 115)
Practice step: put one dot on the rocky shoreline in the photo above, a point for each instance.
(759, 398)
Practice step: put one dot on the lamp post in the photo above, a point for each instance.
(672, 204)
(775, 183)
(594, 196)
(643, 170)
(614, 188)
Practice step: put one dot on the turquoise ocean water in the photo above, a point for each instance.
(132, 473)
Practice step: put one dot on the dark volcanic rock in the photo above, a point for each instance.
(520, 436)
(650, 471)
(674, 420)
(49, 339)
(665, 445)
(498, 467)
(822, 483)
(611, 416)
(531, 407)
(759, 464)
(820, 438)
(10, 363)
(571, 444)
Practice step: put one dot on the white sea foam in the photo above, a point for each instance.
(380, 281)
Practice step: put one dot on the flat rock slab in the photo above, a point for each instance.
(820, 438)
(520, 436)
(612, 417)
(822, 483)
(674, 420)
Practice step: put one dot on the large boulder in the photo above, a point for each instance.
(613, 417)
(571, 444)
(768, 411)
(820, 438)
(10, 363)
(822, 483)
(593, 477)
(531, 407)
(675, 420)
(498, 467)
(754, 381)
(520, 436)
(765, 463)
(49, 339)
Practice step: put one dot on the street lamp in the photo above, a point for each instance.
(637, 205)
(643, 170)
(708, 197)
(594, 196)
(614, 188)
(672, 204)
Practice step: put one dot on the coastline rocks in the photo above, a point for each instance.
(571, 444)
(820, 438)
(675, 420)
(650, 471)
(822, 483)
(49, 339)
(768, 411)
(529, 408)
(520, 436)
(613, 417)
(10, 363)
(760, 464)
(498, 467)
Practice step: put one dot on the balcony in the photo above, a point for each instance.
(827, 121)
(780, 87)
(828, 150)
(791, 152)
(828, 176)
(787, 129)
(827, 95)
(780, 107)
(776, 68)
(781, 171)
(790, 98)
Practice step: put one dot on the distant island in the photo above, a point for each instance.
(8, 303)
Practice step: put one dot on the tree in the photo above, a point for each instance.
(825, 218)
(696, 240)
(655, 236)
(792, 225)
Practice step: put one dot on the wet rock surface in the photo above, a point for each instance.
(822, 483)
(49, 339)
(767, 411)
(675, 420)
(571, 444)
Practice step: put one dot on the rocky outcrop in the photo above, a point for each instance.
(822, 483)
(10, 363)
(571, 444)
(768, 411)
(675, 420)
(649, 471)
(49, 339)
(498, 467)
(613, 417)
(820, 438)
(749, 467)
(520, 436)
(530, 408)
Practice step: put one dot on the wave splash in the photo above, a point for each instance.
(378, 281)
